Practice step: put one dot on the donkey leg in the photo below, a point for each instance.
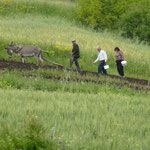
(23, 59)
(40, 58)
(37, 60)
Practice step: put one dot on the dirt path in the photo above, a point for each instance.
(4, 64)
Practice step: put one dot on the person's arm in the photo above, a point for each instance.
(96, 60)
(75, 50)
(122, 55)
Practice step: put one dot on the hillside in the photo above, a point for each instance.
(55, 108)
(44, 28)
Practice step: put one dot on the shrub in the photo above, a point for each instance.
(136, 22)
(101, 13)
(131, 16)
(31, 136)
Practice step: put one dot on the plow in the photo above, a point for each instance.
(10, 65)
(54, 63)
(33, 51)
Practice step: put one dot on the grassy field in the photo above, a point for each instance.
(103, 121)
(101, 114)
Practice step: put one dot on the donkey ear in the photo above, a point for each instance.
(11, 44)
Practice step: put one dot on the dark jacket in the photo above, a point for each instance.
(75, 51)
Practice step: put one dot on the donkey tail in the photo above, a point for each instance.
(40, 53)
(45, 52)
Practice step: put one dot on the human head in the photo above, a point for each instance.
(116, 49)
(73, 41)
(98, 48)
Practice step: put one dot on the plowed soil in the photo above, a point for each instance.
(4, 64)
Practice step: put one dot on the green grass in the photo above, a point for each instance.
(34, 7)
(84, 115)
(93, 121)
(29, 135)
(97, 115)
(59, 80)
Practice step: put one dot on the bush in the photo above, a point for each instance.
(31, 136)
(136, 22)
(101, 13)
(131, 16)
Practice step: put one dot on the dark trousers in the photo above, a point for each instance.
(101, 67)
(74, 59)
(120, 67)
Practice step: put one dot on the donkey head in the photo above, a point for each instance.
(9, 51)
(11, 48)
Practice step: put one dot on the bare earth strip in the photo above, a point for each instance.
(4, 64)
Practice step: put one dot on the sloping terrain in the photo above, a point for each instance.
(82, 111)
(4, 64)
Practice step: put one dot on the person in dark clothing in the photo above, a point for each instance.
(76, 55)
(119, 59)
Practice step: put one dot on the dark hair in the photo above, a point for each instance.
(117, 49)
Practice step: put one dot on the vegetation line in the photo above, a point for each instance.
(4, 64)
(120, 85)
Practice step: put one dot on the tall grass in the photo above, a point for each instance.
(63, 81)
(84, 121)
(46, 8)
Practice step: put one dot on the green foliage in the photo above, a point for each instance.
(9, 80)
(101, 13)
(30, 136)
(136, 22)
(131, 16)
(86, 13)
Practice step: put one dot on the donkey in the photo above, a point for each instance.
(28, 51)
(25, 51)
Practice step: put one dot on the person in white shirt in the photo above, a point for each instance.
(102, 57)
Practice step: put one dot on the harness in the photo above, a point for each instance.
(19, 49)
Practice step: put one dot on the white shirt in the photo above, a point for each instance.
(101, 56)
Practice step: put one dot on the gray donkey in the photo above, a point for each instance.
(27, 51)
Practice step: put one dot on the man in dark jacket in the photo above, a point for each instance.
(76, 55)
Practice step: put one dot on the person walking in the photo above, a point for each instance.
(102, 57)
(76, 55)
(119, 59)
